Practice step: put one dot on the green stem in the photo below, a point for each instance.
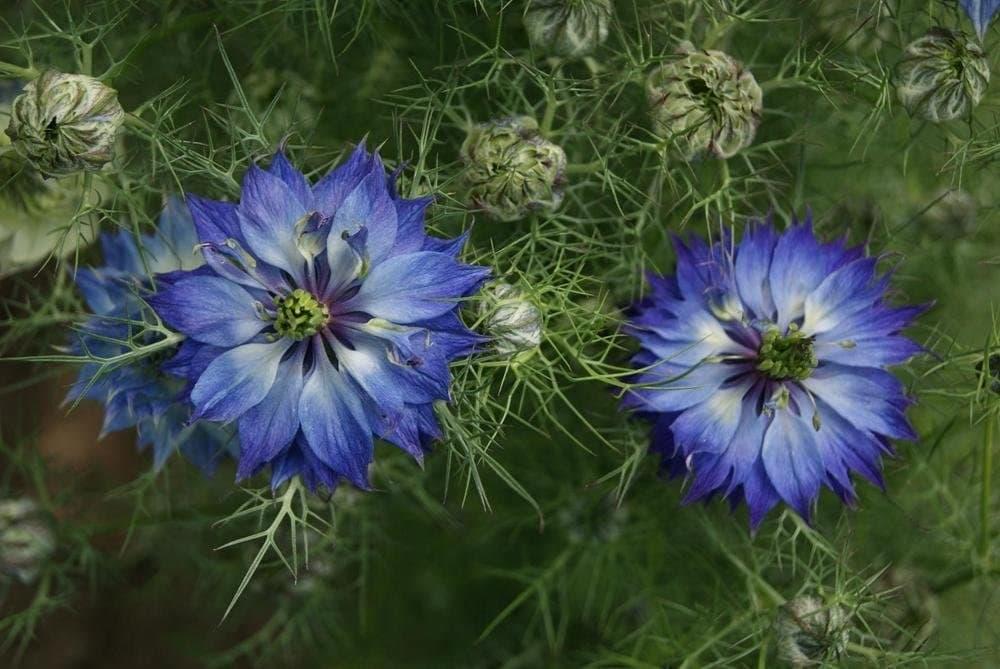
(14, 71)
(584, 168)
(550, 113)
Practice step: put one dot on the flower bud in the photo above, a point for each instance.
(26, 539)
(859, 26)
(943, 75)
(809, 632)
(567, 28)
(705, 102)
(35, 213)
(65, 123)
(511, 319)
(511, 170)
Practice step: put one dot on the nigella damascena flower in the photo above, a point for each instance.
(762, 365)
(567, 28)
(64, 123)
(705, 102)
(144, 394)
(942, 76)
(326, 317)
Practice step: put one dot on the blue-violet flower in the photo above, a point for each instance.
(324, 317)
(142, 393)
(762, 367)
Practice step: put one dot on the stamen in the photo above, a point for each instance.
(300, 315)
(788, 356)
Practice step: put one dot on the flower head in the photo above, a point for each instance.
(567, 28)
(26, 538)
(762, 365)
(143, 394)
(705, 102)
(942, 76)
(65, 123)
(511, 170)
(325, 318)
(35, 212)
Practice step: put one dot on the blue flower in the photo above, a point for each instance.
(981, 12)
(325, 317)
(762, 365)
(140, 394)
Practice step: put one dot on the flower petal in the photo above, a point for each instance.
(333, 421)
(414, 287)
(792, 461)
(268, 214)
(269, 427)
(870, 399)
(237, 380)
(210, 310)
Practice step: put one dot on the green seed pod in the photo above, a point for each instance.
(704, 102)
(567, 28)
(65, 123)
(809, 632)
(943, 75)
(26, 539)
(511, 170)
(859, 25)
(514, 323)
(35, 213)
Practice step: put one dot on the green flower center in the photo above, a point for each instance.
(300, 315)
(788, 356)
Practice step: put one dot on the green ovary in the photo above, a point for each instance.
(788, 356)
(300, 315)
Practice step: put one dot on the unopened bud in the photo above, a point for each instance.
(810, 632)
(511, 319)
(65, 123)
(567, 28)
(35, 212)
(26, 539)
(511, 170)
(704, 102)
(943, 75)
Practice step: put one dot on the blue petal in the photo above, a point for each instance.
(981, 12)
(709, 426)
(237, 380)
(214, 221)
(369, 206)
(870, 399)
(846, 291)
(414, 287)
(330, 191)
(268, 214)
(268, 428)
(752, 270)
(792, 461)
(410, 235)
(210, 310)
(675, 388)
(291, 177)
(799, 264)
(333, 421)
